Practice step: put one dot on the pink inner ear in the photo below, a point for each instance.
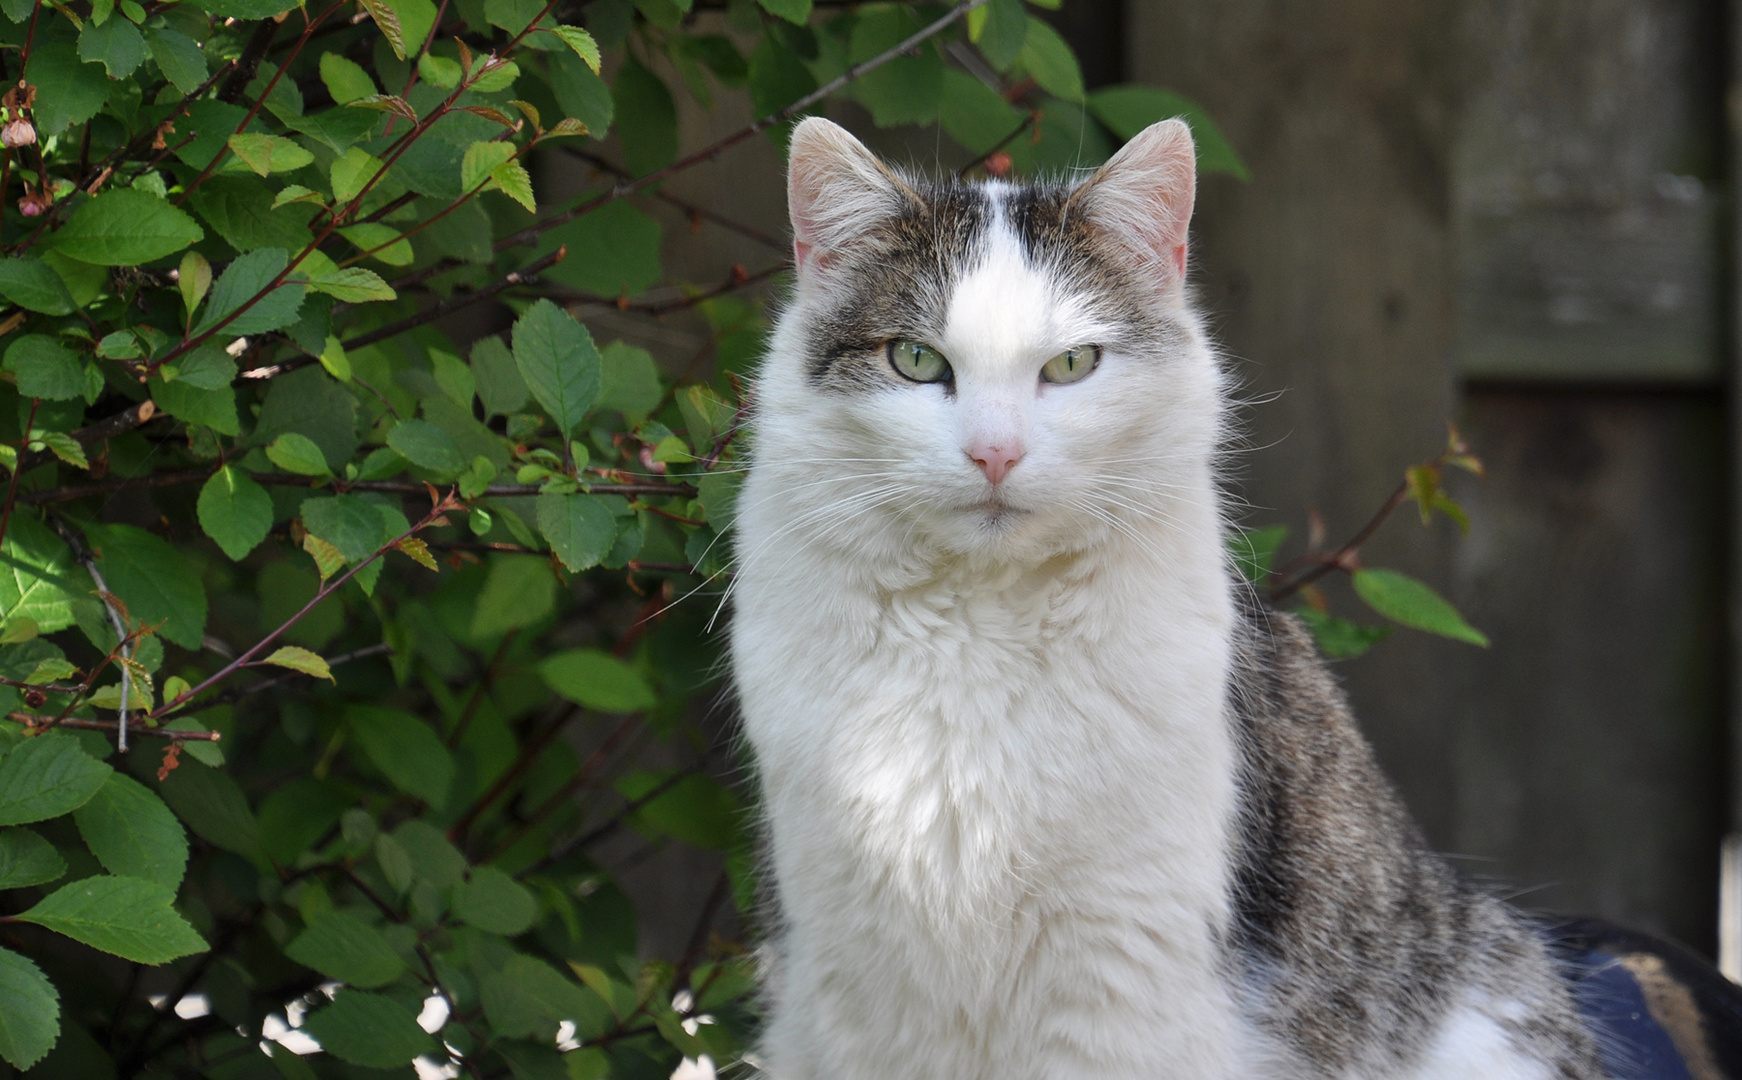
(801, 253)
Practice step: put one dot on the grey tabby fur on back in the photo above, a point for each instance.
(1354, 940)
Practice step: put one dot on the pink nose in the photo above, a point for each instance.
(995, 461)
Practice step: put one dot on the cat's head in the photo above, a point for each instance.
(999, 370)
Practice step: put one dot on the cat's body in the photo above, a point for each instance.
(1046, 798)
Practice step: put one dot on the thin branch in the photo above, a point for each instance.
(121, 423)
(238, 693)
(525, 275)
(694, 210)
(37, 721)
(123, 637)
(528, 757)
(735, 281)
(565, 794)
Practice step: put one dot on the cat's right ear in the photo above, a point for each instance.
(836, 190)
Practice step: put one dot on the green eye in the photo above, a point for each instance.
(1072, 364)
(921, 363)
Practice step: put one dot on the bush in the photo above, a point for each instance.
(331, 645)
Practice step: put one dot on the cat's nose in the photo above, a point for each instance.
(995, 461)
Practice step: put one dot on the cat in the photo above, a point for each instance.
(1047, 794)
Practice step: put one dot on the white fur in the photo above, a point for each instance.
(992, 736)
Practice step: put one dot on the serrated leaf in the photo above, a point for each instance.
(417, 551)
(519, 591)
(382, 242)
(588, 49)
(45, 777)
(387, 103)
(354, 285)
(498, 75)
(328, 559)
(178, 56)
(492, 901)
(116, 44)
(29, 1011)
(432, 857)
(129, 917)
(334, 359)
(350, 173)
(527, 993)
(298, 454)
(51, 670)
(132, 833)
(368, 1029)
(297, 658)
(45, 368)
(267, 154)
(125, 227)
(1404, 600)
(427, 446)
(439, 71)
(558, 362)
(27, 859)
(406, 750)
(296, 193)
(567, 126)
(64, 447)
(346, 948)
(512, 179)
(495, 116)
(345, 80)
(579, 527)
(156, 581)
(596, 680)
(235, 511)
(480, 160)
(31, 284)
(194, 280)
(211, 804)
(241, 282)
(387, 20)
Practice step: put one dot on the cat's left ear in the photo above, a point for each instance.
(1142, 198)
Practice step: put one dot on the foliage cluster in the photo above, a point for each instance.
(332, 646)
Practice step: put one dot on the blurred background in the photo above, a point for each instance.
(1508, 214)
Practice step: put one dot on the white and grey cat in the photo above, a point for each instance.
(1047, 798)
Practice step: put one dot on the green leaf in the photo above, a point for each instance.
(351, 172)
(974, 114)
(28, 282)
(519, 591)
(777, 77)
(1340, 639)
(481, 158)
(27, 859)
(1254, 550)
(211, 804)
(240, 283)
(178, 56)
(116, 44)
(235, 511)
(298, 454)
(1000, 31)
(497, 376)
(512, 179)
(346, 948)
(215, 409)
(427, 446)
(126, 916)
(132, 833)
(797, 12)
(588, 49)
(387, 21)
(431, 856)
(67, 92)
(613, 251)
(596, 680)
(406, 750)
(194, 280)
(125, 227)
(491, 900)
(558, 362)
(45, 368)
(247, 10)
(345, 80)
(45, 777)
(300, 659)
(369, 1029)
(1404, 600)
(580, 529)
(348, 522)
(381, 241)
(239, 209)
(311, 404)
(354, 285)
(512, 15)
(907, 90)
(696, 810)
(267, 154)
(29, 1011)
(581, 93)
(439, 70)
(1050, 61)
(39, 578)
(156, 581)
(646, 119)
(528, 994)
(1126, 110)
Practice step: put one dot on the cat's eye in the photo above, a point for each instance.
(1072, 364)
(921, 363)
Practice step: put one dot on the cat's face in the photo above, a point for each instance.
(986, 370)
